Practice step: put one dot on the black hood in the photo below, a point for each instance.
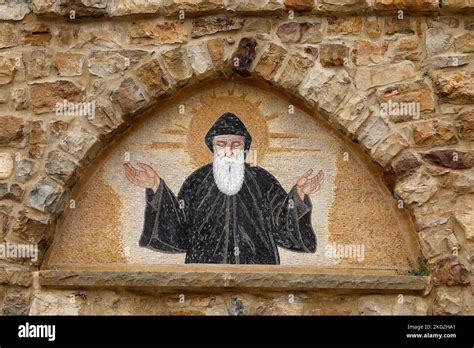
(228, 123)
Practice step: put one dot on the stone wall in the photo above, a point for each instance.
(342, 59)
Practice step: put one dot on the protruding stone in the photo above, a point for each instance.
(129, 96)
(20, 98)
(384, 74)
(344, 6)
(151, 75)
(434, 132)
(130, 7)
(177, 65)
(299, 5)
(450, 158)
(46, 196)
(14, 11)
(388, 148)
(24, 170)
(448, 300)
(45, 95)
(105, 63)
(333, 55)
(369, 53)
(450, 271)
(294, 71)
(58, 166)
(7, 71)
(441, 62)
(69, 64)
(405, 165)
(39, 65)
(269, 62)
(6, 165)
(210, 25)
(79, 143)
(243, 57)
(464, 215)
(465, 125)
(289, 32)
(11, 131)
(394, 25)
(30, 228)
(37, 139)
(373, 26)
(408, 5)
(458, 5)
(8, 35)
(416, 189)
(151, 33)
(354, 114)
(454, 87)
(438, 41)
(344, 25)
(372, 131)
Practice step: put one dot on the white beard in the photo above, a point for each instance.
(229, 173)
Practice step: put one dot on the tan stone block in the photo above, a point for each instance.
(416, 189)
(129, 96)
(8, 35)
(174, 6)
(7, 71)
(409, 5)
(465, 43)
(331, 55)
(369, 53)
(151, 33)
(454, 87)
(214, 24)
(464, 215)
(20, 98)
(344, 6)
(294, 71)
(269, 62)
(398, 26)
(69, 64)
(37, 35)
(434, 132)
(373, 27)
(299, 5)
(124, 8)
(151, 75)
(45, 95)
(6, 165)
(384, 74)
(465, 125)
(344, 25)
(388, 148)
(465, 6)
(12, 131)
(200, 61)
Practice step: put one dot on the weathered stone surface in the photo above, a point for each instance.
(388, 148)
(458, 181)
(299, 5)
(24, 170)
(383, 74)
(254, 6)
(465, 43)
(11, 275)
(39, 65)
(416, 189)
(210, 25)
(344, 6)
(16, 302)
(14, 192)
(12, 11)
(7, 71)
(406, 164)
(8, 35)
(354, 114)
(106, 119)
(450, 158)
(372, 131)
(464, 215)
(294, 71)
(258, 25)
(124, 8)
(393, 25)
(201, 61)
(469, 24)
(45, 95)
(442, 21)
(409, 5)
(30, 228)
(406, 44)
(437, 41)
(36, 35)
(20, 98)
(6, 165)
(269, 62)
(438, 241)
(369, 53)
(60, 167)
(79, 143)
(151, 33)
(11, 130)
(465, 125)
(105, 63)
(434, 132)
(441, 62)
(373, 27)
(245, 54)
(216, 51)
(46, 196)
(454, 87)
(344, 25)
(450, 271)
(173, 7)
(289, 32)
(69, 64)
(448, 300)
(177, 65)
(333, 55)
(129, 96)
(37, 139)
(391, 305)
(151, 75)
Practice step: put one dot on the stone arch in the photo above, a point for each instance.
(330, 94)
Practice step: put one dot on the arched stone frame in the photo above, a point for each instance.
(353, 101)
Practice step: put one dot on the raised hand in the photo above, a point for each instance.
(146, 178)
(307, 185)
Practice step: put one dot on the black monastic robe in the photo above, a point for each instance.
(212, 227)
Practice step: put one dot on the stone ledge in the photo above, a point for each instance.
(205, 279)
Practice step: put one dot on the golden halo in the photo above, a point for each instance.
(205, 116)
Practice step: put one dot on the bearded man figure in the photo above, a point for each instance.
(227, 212)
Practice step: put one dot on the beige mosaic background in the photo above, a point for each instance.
(349, 209)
